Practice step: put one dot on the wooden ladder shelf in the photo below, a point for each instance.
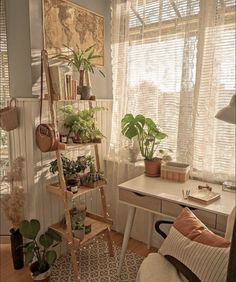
(99, 224)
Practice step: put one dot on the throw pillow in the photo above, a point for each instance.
(195, 251)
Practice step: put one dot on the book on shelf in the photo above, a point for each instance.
(204, 197)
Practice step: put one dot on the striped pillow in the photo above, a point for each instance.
(195, 251)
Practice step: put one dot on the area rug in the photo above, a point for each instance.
(96, 265)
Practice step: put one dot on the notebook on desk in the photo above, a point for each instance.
(204, 197)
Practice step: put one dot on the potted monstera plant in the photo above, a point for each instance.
(149, 136)
(38, 251)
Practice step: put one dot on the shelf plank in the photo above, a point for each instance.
(74, 146)
(55, 189)
(97, 228)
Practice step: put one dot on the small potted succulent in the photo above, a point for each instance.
(38, 251)
(82, 124)
(149, 136)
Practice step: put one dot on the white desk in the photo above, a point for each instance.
(158, 196)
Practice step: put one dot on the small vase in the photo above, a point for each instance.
(17, 248)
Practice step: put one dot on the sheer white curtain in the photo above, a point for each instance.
(174, 60)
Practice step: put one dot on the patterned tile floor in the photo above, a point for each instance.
(96, 265)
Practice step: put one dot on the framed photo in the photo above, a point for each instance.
(67, 24)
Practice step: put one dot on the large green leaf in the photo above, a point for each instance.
(45, 240)
(50, 256)
(29, 255)
(30, 229)
(55, 236)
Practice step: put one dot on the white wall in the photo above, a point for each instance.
(24, 20)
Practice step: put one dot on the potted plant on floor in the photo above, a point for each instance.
(83, 60)
(12, 202)
(82, 124)
(38, 251)
(149, 137)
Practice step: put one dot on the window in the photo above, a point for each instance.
(4, 86)
(175, 63)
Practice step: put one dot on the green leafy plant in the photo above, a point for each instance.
(82, 123)
(82, 59)
(72, 167)
(147, 132)
(39, 248)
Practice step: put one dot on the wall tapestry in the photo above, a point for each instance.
(67, 24)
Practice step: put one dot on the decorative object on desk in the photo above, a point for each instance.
(175, 171)
(133, 150)
(228, 114)
(9, 116)
(82, 124)
(82, 61)
(12, 203)
(229, 186)
(38, 251)
(185, 193)
(204, 196)
(149, 137)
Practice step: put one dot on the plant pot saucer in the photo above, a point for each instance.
(151, 175)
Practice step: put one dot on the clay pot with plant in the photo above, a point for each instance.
(149, 136)
(38, 250)
(83, 62)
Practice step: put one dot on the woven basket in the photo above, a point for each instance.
(8, 116)
(175, 171)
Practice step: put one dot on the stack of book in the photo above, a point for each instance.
(64, 86)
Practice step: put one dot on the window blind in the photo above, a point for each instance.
(174, 61)
(4, 85)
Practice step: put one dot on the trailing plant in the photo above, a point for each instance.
(82, 123)
(148, 133)
(39, 249)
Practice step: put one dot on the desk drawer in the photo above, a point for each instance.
(173, 209)
(146, 202)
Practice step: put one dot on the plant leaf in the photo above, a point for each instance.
(30, 229)
(51, 256)
(45, 240)
(29, 255)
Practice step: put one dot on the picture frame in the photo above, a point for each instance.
(68, 24)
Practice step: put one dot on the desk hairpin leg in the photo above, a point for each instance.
(150, 226)
(128, 227)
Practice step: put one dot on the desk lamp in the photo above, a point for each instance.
(228, 114)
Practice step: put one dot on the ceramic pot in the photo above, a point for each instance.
(133, 155)
(153, 167)
(43, 277)
(79, 233)
(16, 248)
(84, 91)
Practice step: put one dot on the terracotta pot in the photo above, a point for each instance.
(152, 167)
(43, 277)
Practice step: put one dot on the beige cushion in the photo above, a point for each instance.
(197, 252)
(155, 268)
